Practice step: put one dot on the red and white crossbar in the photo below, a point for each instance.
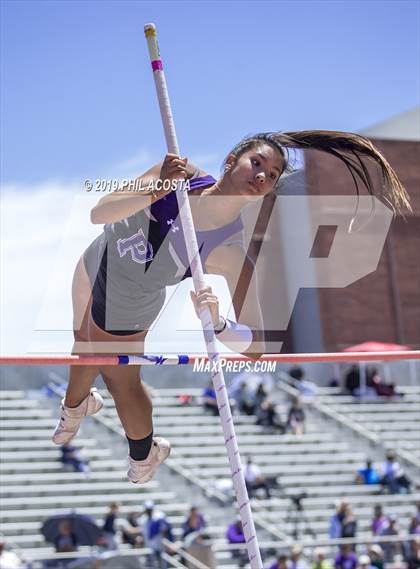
(184, 359)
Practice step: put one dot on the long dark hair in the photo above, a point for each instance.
(348, 147)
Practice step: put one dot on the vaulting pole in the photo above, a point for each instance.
(205, 317)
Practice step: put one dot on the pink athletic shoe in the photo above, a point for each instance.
(142, 471)
(71, 417)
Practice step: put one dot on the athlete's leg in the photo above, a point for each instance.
(81, 378)
(134, 407)
(80, 400)
(132, 400)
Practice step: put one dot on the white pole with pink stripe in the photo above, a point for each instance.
(205, 317)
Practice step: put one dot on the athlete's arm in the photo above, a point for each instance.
(139, 194)
(232, 262)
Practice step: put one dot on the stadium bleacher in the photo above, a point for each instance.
(322, 464)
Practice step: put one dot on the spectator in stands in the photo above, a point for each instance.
(394, 478)
(131, 531)
(336, 522)
(296, 418)
(391, 549)
(367, 475)
(334, 383)
(296, 373)
(295, 558)
(349, 524)
(8, 558)
(414, 527)
(194, 522)
(109, 528)
(352, 380)
(346, 559)
(260, 395)
(364, 562)
(155, 527)
(209, 399)
(249, 390)
(305, 387)
(413, 556)
(282, 562)
(374, 380)
(66, 540)
(320, 560)
(235, 535)
(380, 520)
(267, 416)
(254, 479)
(70, 455)
(243, 399)
(376, 555)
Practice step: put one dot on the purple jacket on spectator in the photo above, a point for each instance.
(235, 534)
(348, 561)
(379, 524)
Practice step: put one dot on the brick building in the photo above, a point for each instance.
(384, 305)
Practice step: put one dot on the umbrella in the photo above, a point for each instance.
(376, 347)
(83, 527)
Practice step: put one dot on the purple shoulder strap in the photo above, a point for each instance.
(166, 210)
(196, 183)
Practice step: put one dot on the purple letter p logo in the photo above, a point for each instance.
(141, 250)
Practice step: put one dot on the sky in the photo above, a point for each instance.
(78, 102)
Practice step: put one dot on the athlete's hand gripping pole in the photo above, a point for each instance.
(206, 321)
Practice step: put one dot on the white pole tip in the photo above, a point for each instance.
(149, 27)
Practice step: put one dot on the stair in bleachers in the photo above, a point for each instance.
(322, 463)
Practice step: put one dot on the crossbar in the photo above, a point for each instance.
(184, 359)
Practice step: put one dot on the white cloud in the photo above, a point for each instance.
(45, 229)
(210, 162)
(134, 165)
